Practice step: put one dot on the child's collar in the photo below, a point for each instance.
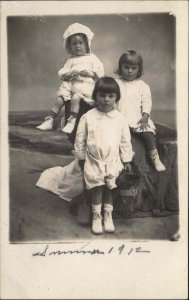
(129, 81)
(74, 56)
(110, 114)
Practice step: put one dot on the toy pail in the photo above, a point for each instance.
(128, 185)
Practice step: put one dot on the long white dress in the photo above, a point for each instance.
(103, 140)
(135, 100)
(67, 182)
(82, 85)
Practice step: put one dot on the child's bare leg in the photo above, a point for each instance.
(56, 108)
(96, 194)
(108, 208)
(149, 140)
(75, 102)
(108, 199)
(74, 110)
(48, 123)
(150, 144)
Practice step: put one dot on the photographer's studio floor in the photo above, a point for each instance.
(38, 215)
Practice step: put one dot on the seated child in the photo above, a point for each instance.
(79, 75)
(135, 103)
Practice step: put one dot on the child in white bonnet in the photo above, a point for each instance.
(79, 75)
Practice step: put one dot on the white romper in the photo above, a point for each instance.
(82, 85)
(103, 140)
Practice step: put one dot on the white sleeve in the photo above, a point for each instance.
(146, 100)
(98, 67)
(67, 67)
(81, 138)
(126, 152)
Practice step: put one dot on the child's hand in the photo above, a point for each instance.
(81, 164)
(74, 75)
(67, 76)
(127, 166)
(143, 122)
(70, 75)
(86, 73)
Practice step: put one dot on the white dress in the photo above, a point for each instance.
(103, 140)
(135, 100)
(83, 86)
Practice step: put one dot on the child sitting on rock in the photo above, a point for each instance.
(135, 103)
(79, 75)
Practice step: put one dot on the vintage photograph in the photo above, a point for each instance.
(115, 169)
(93, 149)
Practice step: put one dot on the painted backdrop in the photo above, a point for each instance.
(35, 54)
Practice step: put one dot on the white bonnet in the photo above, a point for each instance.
(78, 28)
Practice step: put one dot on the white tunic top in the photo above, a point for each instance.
(89, 62)
(103, 140)
(135, 100)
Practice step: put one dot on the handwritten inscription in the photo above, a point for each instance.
(95, 251)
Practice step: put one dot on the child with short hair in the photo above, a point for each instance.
(79, 75)
(103, 148)
(136, 103)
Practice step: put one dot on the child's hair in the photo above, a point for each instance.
(133, 58)
(106, 85)
(68, 42)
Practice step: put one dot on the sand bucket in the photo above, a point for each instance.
(128, 185)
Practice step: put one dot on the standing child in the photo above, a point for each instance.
(135, 103)
(103, 148)
(79, 74)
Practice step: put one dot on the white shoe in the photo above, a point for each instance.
(108, 222)
(156, 161)
(97, 223)
(70, 125)
(158, 165)
(47, 124)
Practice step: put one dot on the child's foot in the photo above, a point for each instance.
(97, 223)
(70, 125)
(47, 124)
(158, 165)
(156, 161)
(108, 222)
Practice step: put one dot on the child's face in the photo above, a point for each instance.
(129, 71)
(78, 46)
(105, 101)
